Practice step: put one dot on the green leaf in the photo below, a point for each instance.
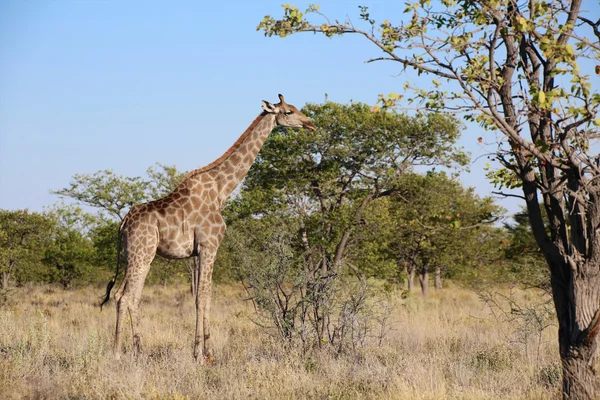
(542, 98)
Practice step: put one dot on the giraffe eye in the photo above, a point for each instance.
(289, 112)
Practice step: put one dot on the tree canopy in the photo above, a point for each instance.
(113, 195)
(326, 178)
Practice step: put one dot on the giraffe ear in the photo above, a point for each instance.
(268, 107)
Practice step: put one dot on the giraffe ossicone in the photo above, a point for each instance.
(188, 223)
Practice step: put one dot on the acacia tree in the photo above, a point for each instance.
(112, 195)
(444, 227)
(431, 225)
(522, 69)
(327, 177)
(322, 181)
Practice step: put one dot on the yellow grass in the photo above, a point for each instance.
(56, 344)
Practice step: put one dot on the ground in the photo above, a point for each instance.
(57, 344)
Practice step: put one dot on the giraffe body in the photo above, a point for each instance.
(188, 223)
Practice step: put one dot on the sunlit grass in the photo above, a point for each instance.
(57, 344)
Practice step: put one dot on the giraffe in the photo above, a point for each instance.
(188, 223)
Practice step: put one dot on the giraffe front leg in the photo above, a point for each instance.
(210, 234)
(203, 351)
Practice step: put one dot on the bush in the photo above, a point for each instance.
(312, 311)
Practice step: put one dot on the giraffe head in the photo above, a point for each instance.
(288, 115)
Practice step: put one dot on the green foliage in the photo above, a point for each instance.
(24, 237)
(502, 177)
(431, 221)
(516, 68)
(323, 179)
(374, 243)
(70, 254)
(68, 258)
(110, 193)
(113, 195)
(163, 180)
(525, 259)
(104, 238)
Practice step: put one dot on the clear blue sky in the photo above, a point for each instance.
(121, 85)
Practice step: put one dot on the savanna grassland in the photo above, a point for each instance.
(56, 344)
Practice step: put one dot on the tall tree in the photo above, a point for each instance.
(522, 69)
(432, 225)
(327, 177)
(444, 227)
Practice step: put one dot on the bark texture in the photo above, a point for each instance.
(437, 280)
(424, 279)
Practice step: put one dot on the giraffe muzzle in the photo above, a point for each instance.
(309, 125)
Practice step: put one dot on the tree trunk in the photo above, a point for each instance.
(437, 280)
(579, 378)
(340, 250)
(424, 278)
(411, 269)
(578, 312)
(574, 262)
(5, 279)
(323, 263)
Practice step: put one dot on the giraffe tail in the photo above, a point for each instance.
(114, 279)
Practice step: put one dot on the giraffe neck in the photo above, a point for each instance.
(236, 162)
(231, 168)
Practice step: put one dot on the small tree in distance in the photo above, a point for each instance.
(112, 196)
(23, 240)
(70, 254)
(433, 225)
(522, 69)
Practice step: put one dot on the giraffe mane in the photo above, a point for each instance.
(233, 147)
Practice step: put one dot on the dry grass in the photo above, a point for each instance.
(57, 344)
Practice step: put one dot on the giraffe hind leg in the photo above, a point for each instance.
(135, 333)
(121, 301)
(128, 301)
